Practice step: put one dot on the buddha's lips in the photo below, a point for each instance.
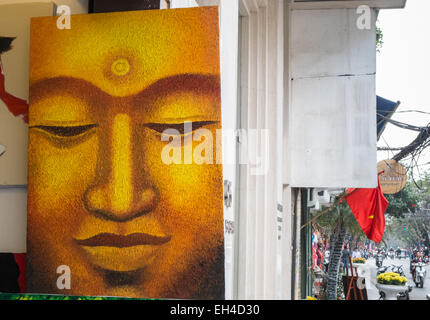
(119, 241)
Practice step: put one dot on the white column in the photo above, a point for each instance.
(262, 104)
(284, 159)
(260, 177)
(286, 246)
(229, 37)
(251, 184)
(243, 246)
(270, 183)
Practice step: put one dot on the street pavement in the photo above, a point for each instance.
(370, 275)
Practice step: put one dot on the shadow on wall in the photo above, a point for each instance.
(12, 272)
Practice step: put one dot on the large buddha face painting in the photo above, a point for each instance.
(102, 201)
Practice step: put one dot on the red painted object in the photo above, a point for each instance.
(20, 261)
(18, 107)
(368, 207)
(12, 272)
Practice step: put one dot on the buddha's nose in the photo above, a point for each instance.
(121, 190)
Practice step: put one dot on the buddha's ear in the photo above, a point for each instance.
(6, 44)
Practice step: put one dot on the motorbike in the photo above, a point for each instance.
(382, 269)
(404, 295)
(394, 268)
(398, 269)
(391, 254)
(379, 258)
(419, 275)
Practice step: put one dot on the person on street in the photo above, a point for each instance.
(345, 257)
(416, 259)
(398, 252)
(356, 253)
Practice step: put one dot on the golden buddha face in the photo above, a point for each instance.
(101, 200)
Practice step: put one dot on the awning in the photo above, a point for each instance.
(384, 108)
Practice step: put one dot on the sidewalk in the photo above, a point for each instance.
(368, 272)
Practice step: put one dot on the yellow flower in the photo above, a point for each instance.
(359, 260)
(391, 278)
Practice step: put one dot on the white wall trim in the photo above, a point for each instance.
(349, 4)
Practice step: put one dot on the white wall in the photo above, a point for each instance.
(183, 4)
(76, 6)
(285, 217)
(333, 107)
(13, 201)
(13, 219)
(229, 32)
(262, 254)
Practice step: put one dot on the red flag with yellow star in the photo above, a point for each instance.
(368, 207)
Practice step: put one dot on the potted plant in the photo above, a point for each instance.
(359, 260)
(359, 263)
(391, 283)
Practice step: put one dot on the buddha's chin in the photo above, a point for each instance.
(127, 259)
(127, 291)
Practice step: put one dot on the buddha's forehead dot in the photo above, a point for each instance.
(120, 67)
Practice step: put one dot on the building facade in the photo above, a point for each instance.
(298, 112)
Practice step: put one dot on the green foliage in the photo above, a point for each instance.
(410, 229)
(339, 290)
(328, 221)
(405, 201)
(379, 39)
(423, 189)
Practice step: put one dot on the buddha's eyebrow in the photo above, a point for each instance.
(74, 87)
(188, 82)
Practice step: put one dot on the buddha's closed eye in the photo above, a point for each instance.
(66, 131)
(74, 131)
(180, 127)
